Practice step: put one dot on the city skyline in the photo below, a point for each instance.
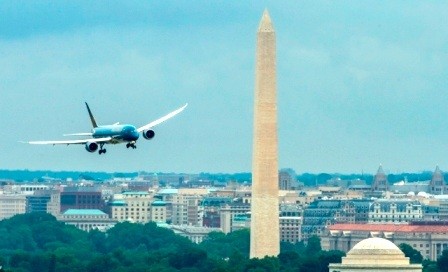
(359, 84)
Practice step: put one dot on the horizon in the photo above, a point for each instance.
(220, 173)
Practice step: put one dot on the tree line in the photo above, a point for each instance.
(38, 242)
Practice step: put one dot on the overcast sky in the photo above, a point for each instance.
(360, 83)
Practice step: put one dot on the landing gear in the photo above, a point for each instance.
(102, 150)
(131, 144)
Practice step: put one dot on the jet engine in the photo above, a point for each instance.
(148, 134)
(91, 146)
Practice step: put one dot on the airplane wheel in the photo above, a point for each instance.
(104, 151)
(127, 145)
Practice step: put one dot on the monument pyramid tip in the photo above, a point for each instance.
(266, 12)
(265, 23)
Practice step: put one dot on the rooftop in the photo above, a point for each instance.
(169, 191)
(158, 203)
(390, 228)
(375, 254)
(375, 246)
(117, 203)
(83, 212)
(136, 193)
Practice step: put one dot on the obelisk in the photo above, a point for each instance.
(265, 236)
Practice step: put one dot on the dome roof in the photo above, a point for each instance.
(375, 254)
(375, 251)
(422, 194)
(375, 246)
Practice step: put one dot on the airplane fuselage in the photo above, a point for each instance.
(120, 133)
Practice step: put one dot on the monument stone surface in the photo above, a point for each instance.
(265, 236)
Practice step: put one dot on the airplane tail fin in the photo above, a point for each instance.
(91, 116)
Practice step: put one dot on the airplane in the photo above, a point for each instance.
(112, 134)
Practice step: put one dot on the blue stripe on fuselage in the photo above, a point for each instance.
(120, 132)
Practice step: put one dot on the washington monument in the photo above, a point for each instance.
(265, 237)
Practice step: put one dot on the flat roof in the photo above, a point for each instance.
(83, 212)
(158, 203)
(390, 228)
(117, 203)
(136, 193)
(168, 191)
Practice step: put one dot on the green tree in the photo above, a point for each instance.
(39, 262)
(310, 264)
(98, 240)
(429, 266)
(414, 255)
(327, 257)
(102, 263)
(442, 261)
(290, 261)
(222, 246)
(189, 257)
(267, 264)
(20, 259)
(56, 247)
(297, 247)
(237, 261)
(52, 263)
(313, 247)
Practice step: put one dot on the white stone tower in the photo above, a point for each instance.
(265, 237)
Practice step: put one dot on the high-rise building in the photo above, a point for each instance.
(265, 238)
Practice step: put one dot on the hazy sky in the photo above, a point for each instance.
(359, 83)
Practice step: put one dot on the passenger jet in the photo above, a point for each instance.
(112, 134)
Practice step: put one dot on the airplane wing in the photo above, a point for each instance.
(69, 142)
(162, 119)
